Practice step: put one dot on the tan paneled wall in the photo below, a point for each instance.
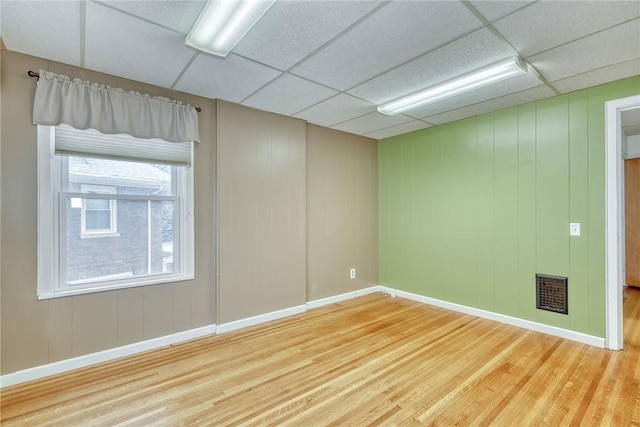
(261, 206)
(39, 332)
(284, 189)
(342, 212)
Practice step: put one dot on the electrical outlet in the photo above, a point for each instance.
(352, 273)
(574, 229)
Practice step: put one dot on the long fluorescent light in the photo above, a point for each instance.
(223, 23)
(498, 71)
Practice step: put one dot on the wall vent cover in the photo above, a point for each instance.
(551, 293)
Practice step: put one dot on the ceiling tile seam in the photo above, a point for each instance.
(355, 118)
(337, 94)
(184, 69)
(425, 118)
(488, 26)
(476, 12)
(596, 69)
(413, 59)
(504, 40)
(115, 9)
(542, 78)
(339, 34)
(83, 32)
(585, 36)
(391, 126)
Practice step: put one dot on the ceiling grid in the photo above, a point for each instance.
(332, 63)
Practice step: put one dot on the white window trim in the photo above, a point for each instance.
(50, 224)
(113, 210)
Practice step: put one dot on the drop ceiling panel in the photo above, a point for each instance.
(371, 122)
(547, 24)
(630, 121)
(125, 46)
(288, 94)
(493, 10)
(393, 34)
(232, 78)
(598, 76)
(398, 129)
(335, 110)
(616, 45)
(496, 90)
(45, 29)
(468, 53)
(507, 101)
(290, 30)
(176, 15)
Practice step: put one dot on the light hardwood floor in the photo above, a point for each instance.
(374, 360)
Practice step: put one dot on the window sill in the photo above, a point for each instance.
(111, 287)
(98, 235)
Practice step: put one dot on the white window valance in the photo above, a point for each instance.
(86, 105)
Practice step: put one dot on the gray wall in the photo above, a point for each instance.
(39, 332)
(297, 207)
(262, 213)
(342, 212)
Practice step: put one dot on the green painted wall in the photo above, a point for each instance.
(471, 210)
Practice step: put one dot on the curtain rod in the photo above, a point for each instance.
(37, 75)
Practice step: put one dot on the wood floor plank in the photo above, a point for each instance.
(371, 361)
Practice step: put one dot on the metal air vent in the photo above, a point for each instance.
(551, 293)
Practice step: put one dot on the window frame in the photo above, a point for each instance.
(52, 225)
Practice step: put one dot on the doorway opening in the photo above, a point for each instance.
(622, 117)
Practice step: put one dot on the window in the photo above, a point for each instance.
(99, 217)
(117, 214)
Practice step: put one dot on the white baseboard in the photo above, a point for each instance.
(342, 297)
(522, 323)
(127, 350)
(103, 356)
(262, 318)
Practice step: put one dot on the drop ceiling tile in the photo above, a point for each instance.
(615, 45)
(125, 46)
(398, 129)
(547, 24)
(493, 10)
(468, 53)
(335, 110)
(599, 76)
(630, 119)
(371, 122)
(395, 33)
(290, 30)
(232, 78)
(179, 15)
(288, 94)
(496, 90)
(46, 29)
(511, 100)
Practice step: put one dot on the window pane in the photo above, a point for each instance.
(142, 246)
(97, 204)
(98, 220)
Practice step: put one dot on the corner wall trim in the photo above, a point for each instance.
(103, 356)
(261, 318)
(502, 318)
(342, 297)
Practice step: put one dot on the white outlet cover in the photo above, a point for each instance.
(574, 229)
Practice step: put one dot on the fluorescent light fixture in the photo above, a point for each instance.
(223, 23)
(495, 72)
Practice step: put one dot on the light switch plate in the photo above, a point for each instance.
(574, 229)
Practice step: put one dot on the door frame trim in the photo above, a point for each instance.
(613, 218)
